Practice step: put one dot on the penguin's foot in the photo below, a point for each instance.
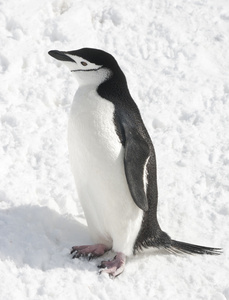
(113, 267)
(89, 251)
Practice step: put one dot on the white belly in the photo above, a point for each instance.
(96, 156)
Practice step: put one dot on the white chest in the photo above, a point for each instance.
(92, 137)
(97, 160)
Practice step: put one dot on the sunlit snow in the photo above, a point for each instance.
(176, 60)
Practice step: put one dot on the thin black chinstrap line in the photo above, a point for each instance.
(87, 70)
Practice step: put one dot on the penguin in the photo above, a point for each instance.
(114, 164)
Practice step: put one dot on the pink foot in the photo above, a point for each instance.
(113, 267)
(89, 251)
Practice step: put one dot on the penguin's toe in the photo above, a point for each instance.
(89, 251)
(113, 267)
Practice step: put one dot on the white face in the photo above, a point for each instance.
(87, 73)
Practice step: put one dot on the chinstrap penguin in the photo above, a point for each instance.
(114, 164)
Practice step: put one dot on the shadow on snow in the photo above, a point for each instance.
(40, 237)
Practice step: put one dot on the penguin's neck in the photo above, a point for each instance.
(92, 78)
(87, 88)
(87, 101)
(84, 94)
(115, 89)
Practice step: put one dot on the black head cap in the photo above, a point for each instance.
(96, 56)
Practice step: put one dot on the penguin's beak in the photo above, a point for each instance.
(60, 55)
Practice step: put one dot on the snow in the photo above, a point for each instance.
(175, 56)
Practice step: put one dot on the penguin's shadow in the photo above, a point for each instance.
(40, 237)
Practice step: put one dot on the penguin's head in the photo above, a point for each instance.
(90, 66)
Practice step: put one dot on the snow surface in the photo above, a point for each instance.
(176, 59)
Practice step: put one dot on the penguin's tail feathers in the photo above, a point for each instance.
(181, 247)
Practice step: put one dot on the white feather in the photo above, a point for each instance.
(96, 156)
(145, 176)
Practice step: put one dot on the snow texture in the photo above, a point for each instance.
(176, 59)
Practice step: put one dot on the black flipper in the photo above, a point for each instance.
(135, 158)
(181, 247)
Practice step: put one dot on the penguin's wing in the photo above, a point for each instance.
(136, 156)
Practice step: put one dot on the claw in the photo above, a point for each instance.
(101, 266)
(77, 255)
(73, 250)
(90, 256)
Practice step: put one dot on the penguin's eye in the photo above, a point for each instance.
(83, 63)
